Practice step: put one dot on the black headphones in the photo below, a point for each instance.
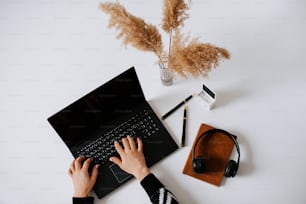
(198, 162)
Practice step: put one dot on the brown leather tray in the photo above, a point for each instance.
(216, 152)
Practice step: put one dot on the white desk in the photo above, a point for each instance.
(52, 52)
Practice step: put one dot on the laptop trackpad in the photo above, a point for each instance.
(119, 174)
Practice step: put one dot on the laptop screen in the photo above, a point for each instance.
(98, 108)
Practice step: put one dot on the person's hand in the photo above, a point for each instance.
(132, 159)
(82, 180)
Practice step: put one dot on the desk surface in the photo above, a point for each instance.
(53, 52)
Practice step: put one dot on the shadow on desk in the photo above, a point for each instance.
(246, 166)
(225, 97)
(235, 91)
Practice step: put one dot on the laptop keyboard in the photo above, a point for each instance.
(140, 125)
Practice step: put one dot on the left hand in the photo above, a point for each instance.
(83, 181)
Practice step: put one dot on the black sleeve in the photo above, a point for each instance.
(157, 191)
(153, 187)
(88, 200)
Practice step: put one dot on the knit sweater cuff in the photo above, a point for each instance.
(151, 184)
(87, 200)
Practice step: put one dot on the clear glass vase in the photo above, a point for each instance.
(166, 75)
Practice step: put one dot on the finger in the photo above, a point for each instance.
(94, 173)
(131, 142)
(116, 160)
(118, 148)
(78, 162)
(70, 172)
(139, 144)
(87, 163)
(72, 166)
(126, 144)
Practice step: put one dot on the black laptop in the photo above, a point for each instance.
(90, 125)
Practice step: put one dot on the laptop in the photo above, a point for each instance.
(90, 125)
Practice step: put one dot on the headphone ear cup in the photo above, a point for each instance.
(231, 169)
(198, 165)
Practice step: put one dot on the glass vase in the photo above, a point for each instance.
(166, 75)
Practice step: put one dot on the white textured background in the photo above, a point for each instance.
(54, 51)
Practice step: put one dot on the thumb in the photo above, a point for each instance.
(116, 160)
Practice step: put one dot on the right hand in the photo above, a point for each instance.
(131, 158)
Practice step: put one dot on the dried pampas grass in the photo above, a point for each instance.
(193, 57)
(184, 56)
(133, 30)
(174, 14)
